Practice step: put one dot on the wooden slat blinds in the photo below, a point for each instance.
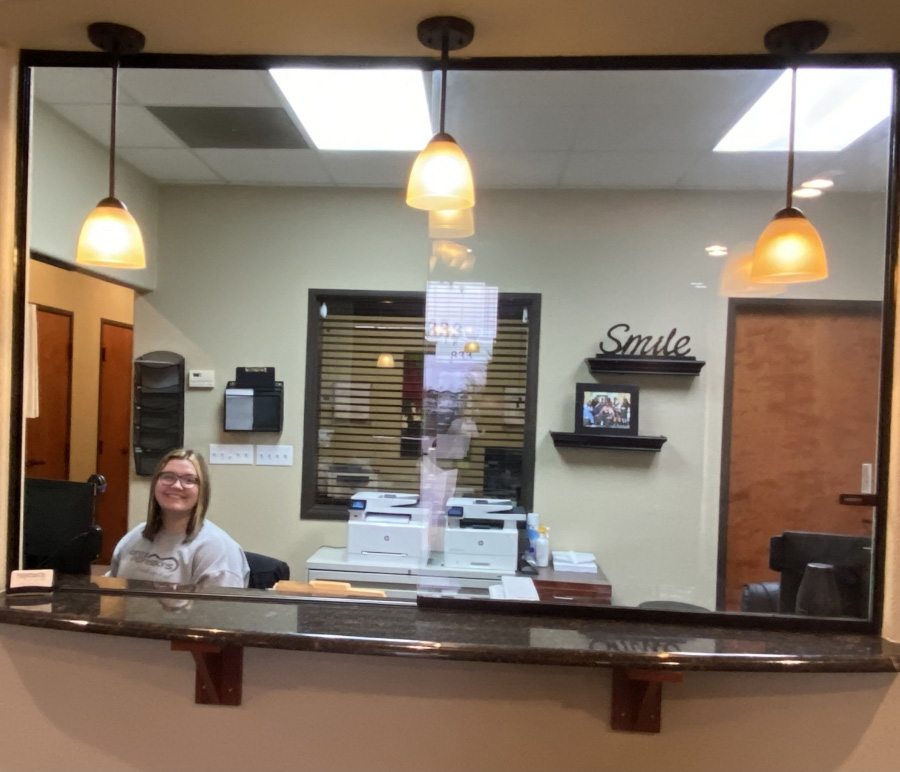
(370, 420)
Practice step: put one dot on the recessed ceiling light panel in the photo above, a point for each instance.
(819, 183)
(352, 109)
(834, 108)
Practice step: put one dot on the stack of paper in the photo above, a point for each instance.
(567, 560)
(514, 588)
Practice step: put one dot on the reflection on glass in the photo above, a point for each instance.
(600, 190)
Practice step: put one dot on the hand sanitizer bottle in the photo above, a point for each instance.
(542, 547)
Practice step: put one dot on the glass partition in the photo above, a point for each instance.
(594, 353)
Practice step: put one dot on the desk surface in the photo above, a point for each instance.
(551, 584)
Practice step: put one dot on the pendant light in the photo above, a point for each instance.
(385, 361)
(441, 177)
(790, 249)
(110, 237)
(451, 223)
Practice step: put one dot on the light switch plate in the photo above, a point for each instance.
(201, 379)
(231, 454)
(274, 455)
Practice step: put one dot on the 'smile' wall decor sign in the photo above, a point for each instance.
(623, 350)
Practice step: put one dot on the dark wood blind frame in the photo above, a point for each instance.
(364, 423)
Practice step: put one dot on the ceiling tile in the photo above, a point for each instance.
(201, 88)
(624, 169)
(171, 166)
(267, 167)
(76, 86)
(519, 127)
(517, 170)
(231, 127)
(387, 169)
(135, 126)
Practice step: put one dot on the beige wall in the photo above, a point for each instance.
(237, 263)
(94, 703)
(90, 300)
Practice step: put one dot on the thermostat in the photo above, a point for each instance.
(201, 379)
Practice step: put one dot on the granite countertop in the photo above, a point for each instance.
(262, 619)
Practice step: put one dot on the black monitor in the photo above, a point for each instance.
(59, 531)
(851, 557)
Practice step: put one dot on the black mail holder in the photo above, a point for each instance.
(254, 401)
(158, 408)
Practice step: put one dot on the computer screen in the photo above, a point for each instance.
(59, 525)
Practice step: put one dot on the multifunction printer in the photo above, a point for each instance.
(483, 533)
(387, 528)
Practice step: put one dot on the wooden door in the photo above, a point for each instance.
(114, 432)
(803, 404)
(47, 435)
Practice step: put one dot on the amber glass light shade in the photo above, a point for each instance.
(385, 360)
(441, 177)
(451, 223)
(110, 238)
(735, 281)
(789, 251)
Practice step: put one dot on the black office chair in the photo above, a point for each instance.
(850, 557)
(59, 531)
(761, 597)
(265, 570)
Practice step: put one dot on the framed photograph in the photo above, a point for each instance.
(606, 409)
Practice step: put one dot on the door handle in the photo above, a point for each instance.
(31, 462)
(858, 499)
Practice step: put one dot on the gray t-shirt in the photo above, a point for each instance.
(210, 558)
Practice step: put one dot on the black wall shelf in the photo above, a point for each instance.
(653, 365)
(607, 441)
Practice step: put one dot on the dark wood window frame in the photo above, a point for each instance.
(309, 507)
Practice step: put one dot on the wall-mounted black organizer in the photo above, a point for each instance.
(158, 408)
(254, 401)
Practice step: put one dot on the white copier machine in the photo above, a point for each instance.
(483, 533)
(387, 528)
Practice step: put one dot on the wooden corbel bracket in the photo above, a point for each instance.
(637, 698)
(220, 670)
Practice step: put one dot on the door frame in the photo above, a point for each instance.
(71, 314)
(813, 306)
(113, 323)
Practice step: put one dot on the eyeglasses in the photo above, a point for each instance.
(186, 480)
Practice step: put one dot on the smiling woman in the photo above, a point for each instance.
(177, 544)
(599, 192)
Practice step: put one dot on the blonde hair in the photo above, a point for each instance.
(198, 514)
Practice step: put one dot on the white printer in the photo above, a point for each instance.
(483, 533)
(387, 528)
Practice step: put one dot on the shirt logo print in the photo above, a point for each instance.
(153, 560)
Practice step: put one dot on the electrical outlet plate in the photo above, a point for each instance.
(231, 454)
(274, 455)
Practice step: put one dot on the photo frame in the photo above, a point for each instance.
(606, 409)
